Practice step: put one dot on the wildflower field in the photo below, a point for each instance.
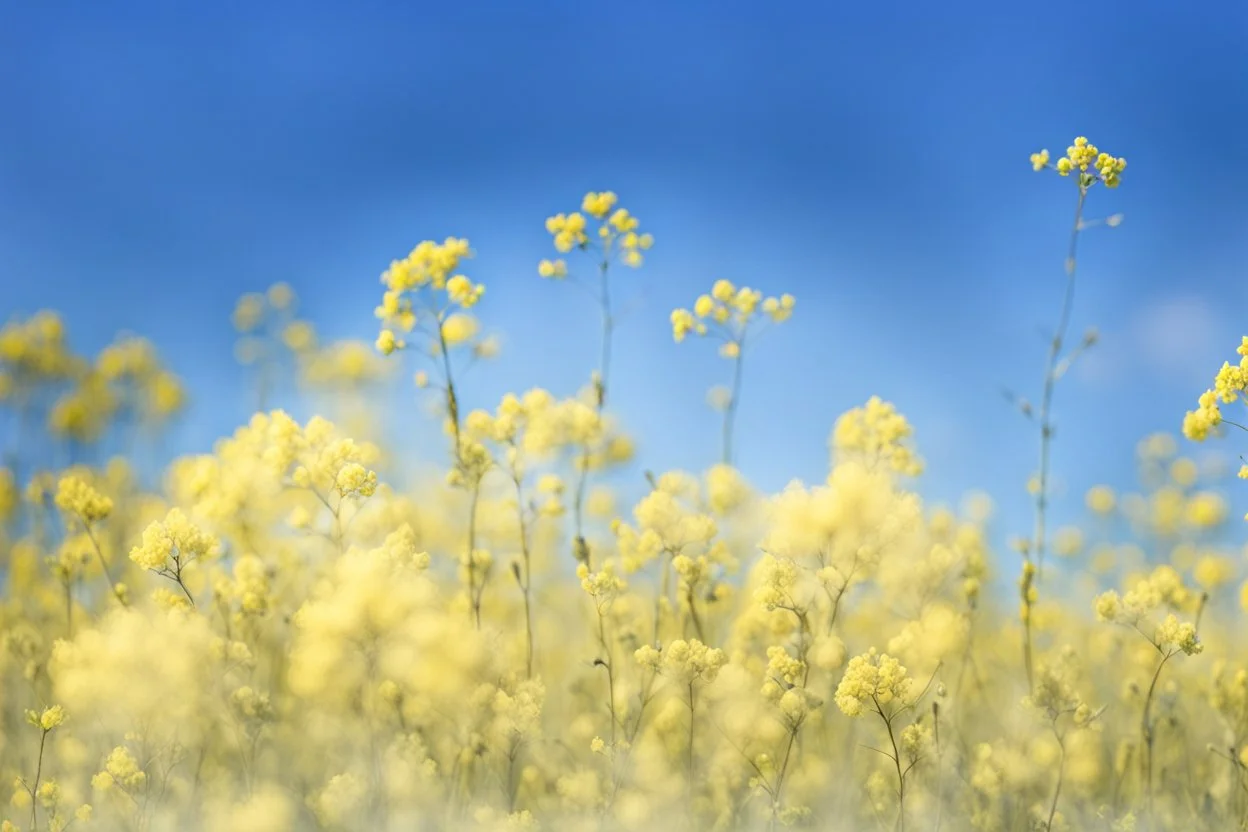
(295, 631)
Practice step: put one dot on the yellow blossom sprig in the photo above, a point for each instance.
(877, 434)
(316, 458)
(268, 332)
(616, 239)
(80, 502)
(1169, 638)
(75, 398)
(426, 295)
(1092, 166)
(1229, 386)
(731, 314)
(127, 390)
(1054, 697)
(785, 686)
(604, 586)
(35, 349)
(121, 774)
(173, 544)
(146, 394)
(671, 528)
(36, 361)
(46, 721)
(524, 427)
(347, 369)
(691, 665)
(880, 684)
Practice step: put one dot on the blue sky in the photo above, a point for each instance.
(157, 160)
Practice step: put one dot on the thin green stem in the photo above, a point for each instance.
(527, 581)
(901, 777)
(1039, 537)
(730, 411)
(580, 545)
(99, 553)
(608, 328)
(34, 791)
(1061, 773)
(1149, 738)
(689, 761)
(1050, 382)
(476, 590)
(609, 664)
(452, 401)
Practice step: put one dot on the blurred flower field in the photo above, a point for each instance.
(292, 632)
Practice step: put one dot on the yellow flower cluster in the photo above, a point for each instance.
(1163, 588)
(783, 672)
(80, 399)
(1229, 384)
(173, 543)
(147, 388)
(728, 311)
(121, 770)
(432, 267)
(349, 364)
(1080, 156)
(667, 522)
(872, 681)
(80, 500)
(35, 348)
(251, 310)
(603, 585)
(617, 234)
(47, 719)
(878, 434)
(684, 661)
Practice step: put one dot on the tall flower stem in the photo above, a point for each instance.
(730, 411)
(580, 545)
(525, 581)
(608, 329)
(1052, 373)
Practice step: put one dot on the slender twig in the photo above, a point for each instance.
(730, 411)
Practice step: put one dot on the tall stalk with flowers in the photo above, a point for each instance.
(617, 240)
(1090, 166)
(730, 314)
(427, 301)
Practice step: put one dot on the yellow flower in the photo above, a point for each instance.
(173, 543)
(354, 480)
(552, 268)
(1198, 424)
(248, 313)
(598, 205)
(49, 718)
(281, 296)
(459, 329)
(462, 291)
(1101, 500)
(388, 343)
(871, 680)
(74, 496)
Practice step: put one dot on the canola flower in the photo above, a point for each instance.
(1090, 167)
(730, 314)
(298, 629)
(1230, 386)
(617, 240)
